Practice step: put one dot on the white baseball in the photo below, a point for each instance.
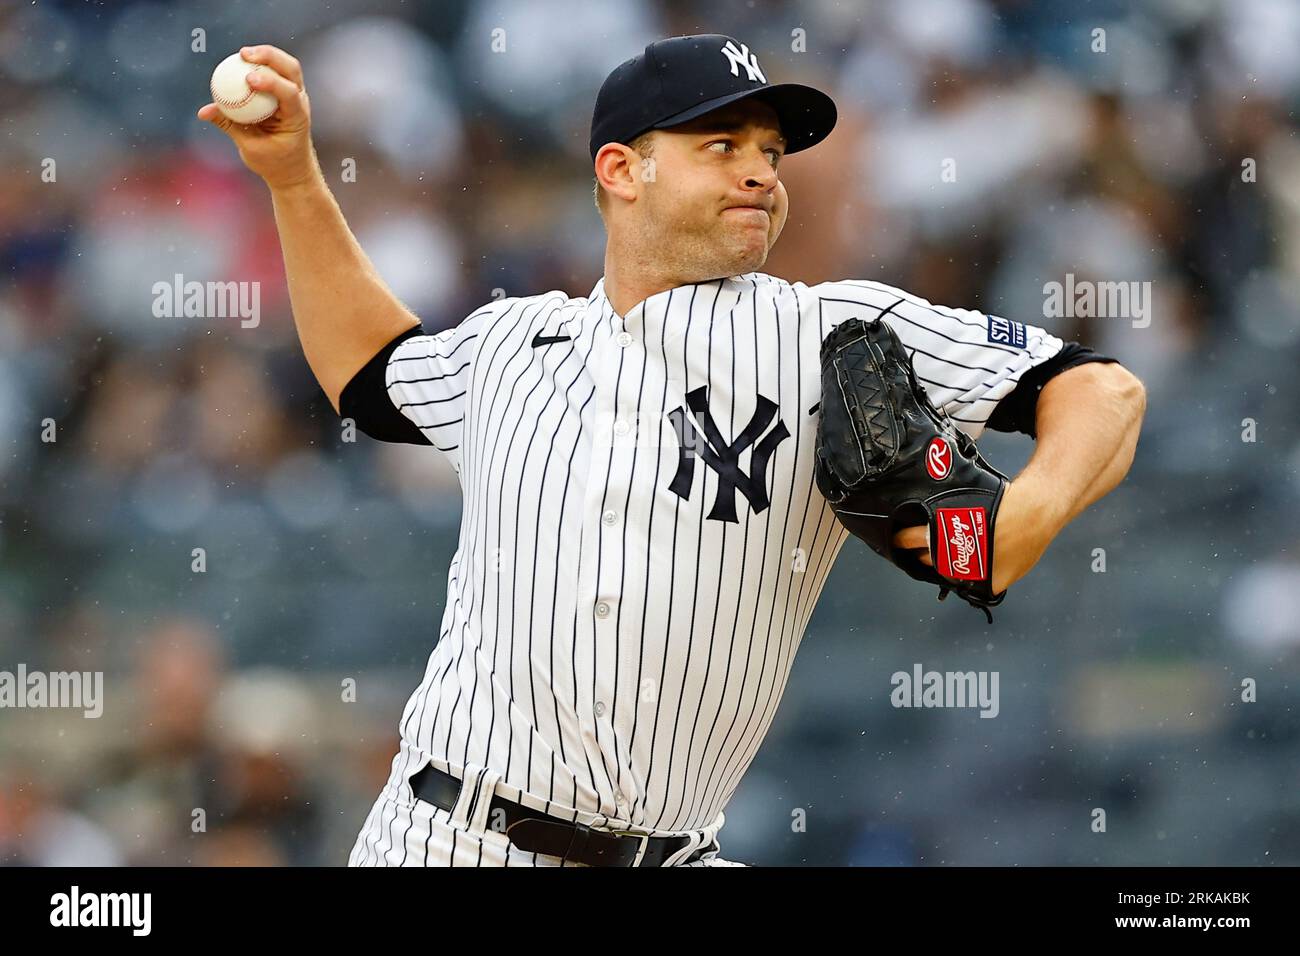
(233, 95)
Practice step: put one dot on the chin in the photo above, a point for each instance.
(751, 261)
(749, 255)
(743, 254)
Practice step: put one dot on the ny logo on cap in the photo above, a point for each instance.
(743, 57)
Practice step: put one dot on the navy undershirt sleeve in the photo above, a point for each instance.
(365, 400)
(1018, 412)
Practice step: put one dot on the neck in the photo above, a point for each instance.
(631, 276)
(627, 285)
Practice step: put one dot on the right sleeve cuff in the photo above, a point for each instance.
(1018, 412)
(365, 400)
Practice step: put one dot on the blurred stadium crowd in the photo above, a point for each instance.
(228, 736)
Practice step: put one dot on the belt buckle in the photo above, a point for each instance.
(641, 850)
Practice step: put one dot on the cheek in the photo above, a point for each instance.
(780, 210)
(675, 199)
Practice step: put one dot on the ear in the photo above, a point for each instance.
(616, 170)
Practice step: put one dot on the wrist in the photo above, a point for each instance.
(308, 180)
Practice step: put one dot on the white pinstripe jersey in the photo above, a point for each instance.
(642, 542)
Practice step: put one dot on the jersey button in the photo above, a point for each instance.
(621, 427)
(624, 339)
(609, 517)
(619, 798)
(600, 708)
(602, 609)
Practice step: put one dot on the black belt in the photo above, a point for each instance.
(536, 832)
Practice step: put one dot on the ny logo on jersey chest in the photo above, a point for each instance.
(723, 456)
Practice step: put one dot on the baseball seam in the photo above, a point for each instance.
(236, 104)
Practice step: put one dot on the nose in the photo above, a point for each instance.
(759, 172)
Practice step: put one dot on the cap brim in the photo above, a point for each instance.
(807, 115)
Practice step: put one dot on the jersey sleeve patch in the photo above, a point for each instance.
(1006, 332)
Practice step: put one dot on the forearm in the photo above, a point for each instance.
(343, 311)
(1088, 421)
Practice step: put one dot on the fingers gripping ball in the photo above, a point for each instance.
(233, 95)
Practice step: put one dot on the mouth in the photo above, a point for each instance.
(759, 210)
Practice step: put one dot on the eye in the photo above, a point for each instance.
(776, 156)
(721, 142)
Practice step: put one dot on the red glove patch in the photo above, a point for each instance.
(938, 459)
(962, 550)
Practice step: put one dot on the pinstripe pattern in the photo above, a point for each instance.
(615, 646)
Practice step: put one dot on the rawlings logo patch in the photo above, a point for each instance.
(938, 459)
(1006, 332)
(962, 552)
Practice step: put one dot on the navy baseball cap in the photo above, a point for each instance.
(678, 79)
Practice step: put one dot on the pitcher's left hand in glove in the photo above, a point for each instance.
(888, 459)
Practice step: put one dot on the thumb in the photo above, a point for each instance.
(212, 114)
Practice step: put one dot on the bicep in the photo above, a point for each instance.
(1018, 411)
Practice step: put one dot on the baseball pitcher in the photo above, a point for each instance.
(658, 475)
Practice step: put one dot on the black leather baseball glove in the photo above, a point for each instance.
(887, 459)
